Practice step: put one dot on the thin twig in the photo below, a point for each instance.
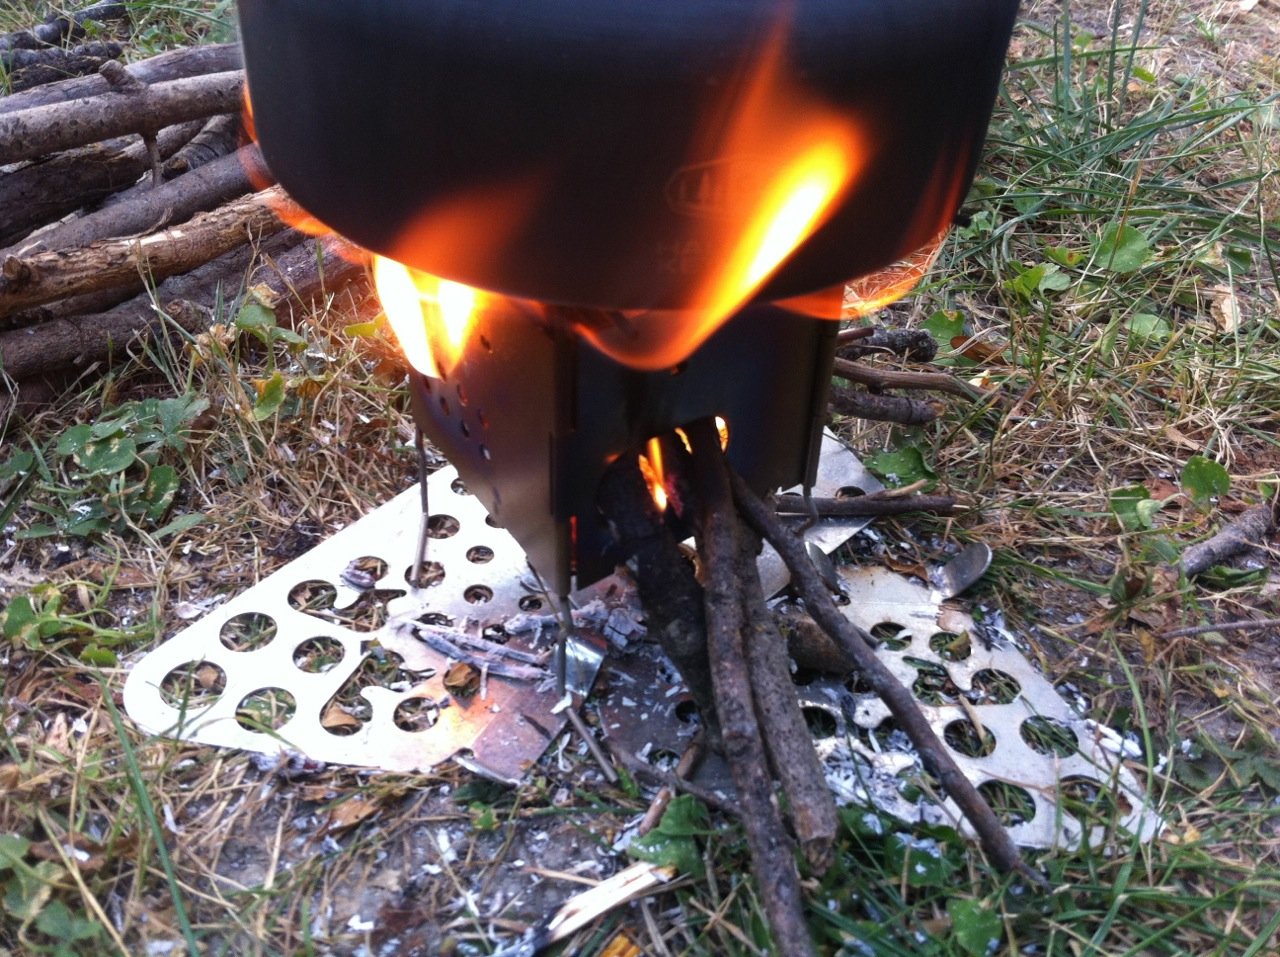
(855, 643)
(1248, 624)
(868, 505)
(894, 379)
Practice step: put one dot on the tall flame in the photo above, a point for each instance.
(431, 317)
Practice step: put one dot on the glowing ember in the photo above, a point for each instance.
(431, 317)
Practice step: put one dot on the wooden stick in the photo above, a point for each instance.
(1246, 531)
(1248, 624)
(26, 134)
(894, 379)
(57, 28)
(31, 68)
(47, 190)
(811, 806)
(855, 642)
(772, 851)
(173, 65)
(883, 408)
(43, 277)
(915, 345)
(868, 505)
(173, 202)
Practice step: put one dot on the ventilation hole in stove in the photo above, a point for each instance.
(994, 687)
(482, 419)
(442, 526)
(478, 594)
(963, 738)
(444, 406)
(485, 453)
(821, 722)
(480, 554)
(1012, 804)
(933, 685)
(432, 574)
(464, 429)
(462, 395)
(248, 631)
(1047, 736)
(891, 635)
(416, 714)
(663, 759)
(437, 618)
(485, 343)
(265, 710)
(529, 603)
(840, 598)
(687, 711)
(459, 486)
(949, 646)
(849, 491)
(312, 597)
(318, 655)
(197, 684)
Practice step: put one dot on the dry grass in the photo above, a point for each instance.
(259, 861)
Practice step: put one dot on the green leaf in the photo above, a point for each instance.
(1145, 325)
(1134, 508)
(95, 654)
(19, 620)
(13, 848)
(162, 486)
(269, 398)
(900, 466)
(977, 929)
(673, 842)
(362, 330)
(1121, 249)
(108, 456)
(1204, 478)
(921, 860)
(74, 439)
(180, 524)
(16, 465)
(29, 889)
(256, 318)
(1063, 256)
(57, 921)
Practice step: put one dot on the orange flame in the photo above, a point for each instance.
(431, 317)
(654, 475)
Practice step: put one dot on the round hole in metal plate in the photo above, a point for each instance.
(529, 603)
(962, 736)
(432, 574)
(459, 487)
(265, 710)
(437, 618)
(478, 594)
(991, 686)
(480, 554)
(442, 526)
(248, 631)
(849, 491)
(1012, 804)
(821, 722)
(891, 635)
(949, 646)
(197, 684)
(318, 655)
(1047, 736)
(416, 714)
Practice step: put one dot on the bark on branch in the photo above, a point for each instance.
(26, 134)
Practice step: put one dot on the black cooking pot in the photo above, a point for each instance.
(578, 151)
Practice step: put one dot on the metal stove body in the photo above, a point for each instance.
(531, 416)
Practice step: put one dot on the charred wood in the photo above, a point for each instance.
(38, 131)
(173, 65)
(914, 345)
(1247, 532)
(44, 277)
(883, 408)
(150, 209)
(56, 27)
(47, 190)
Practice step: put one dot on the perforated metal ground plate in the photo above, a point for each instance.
(316, 659)
(318, 639)
(1049, 773)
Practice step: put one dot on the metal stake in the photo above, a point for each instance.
(420, 553)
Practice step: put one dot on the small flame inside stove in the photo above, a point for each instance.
(431, 317)
(654, 474)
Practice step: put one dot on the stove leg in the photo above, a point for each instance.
(420, 553)
(562, 646)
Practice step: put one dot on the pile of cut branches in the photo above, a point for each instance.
(131, 198)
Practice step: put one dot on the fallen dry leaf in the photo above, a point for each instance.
(1225, 308)
(336, 717)
(462, 679)
(349, 813)
(980, 350)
